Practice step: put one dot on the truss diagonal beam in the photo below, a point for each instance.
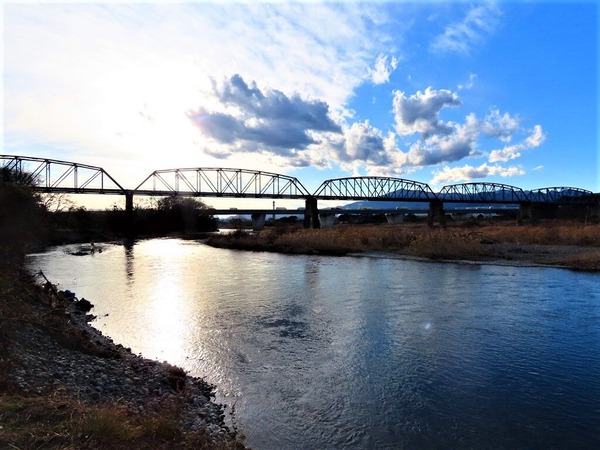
(374, 188)
(482, 193)
(53, 175)
(561, 195)
(222, 182)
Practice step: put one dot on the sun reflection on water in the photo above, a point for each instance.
(166, 308)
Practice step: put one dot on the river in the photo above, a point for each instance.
(320, 352)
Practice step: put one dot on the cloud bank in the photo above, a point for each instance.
(303, 132)
(250, 119)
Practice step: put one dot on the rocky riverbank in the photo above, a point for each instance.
(50, 354)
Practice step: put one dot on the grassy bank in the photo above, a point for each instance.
(564, 244)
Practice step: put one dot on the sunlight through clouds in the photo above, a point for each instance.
(346, 88)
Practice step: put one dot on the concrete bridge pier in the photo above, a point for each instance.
(395, 217)
(311, 213)
(525, 213)
(436, 211)
(129, 217)
(129, 202)
(592, 214)
(258, 221)
(327, 220)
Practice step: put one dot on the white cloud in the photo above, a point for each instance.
(502, 126)
(469, 84)
(535, 139)
(419, 113)
(382, 70)
(446, 147)
(461, 37)
(249, 119)
(447, 142)
(467, 173)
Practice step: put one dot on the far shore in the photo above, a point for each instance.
(564, 244)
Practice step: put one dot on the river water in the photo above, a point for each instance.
(358, 352)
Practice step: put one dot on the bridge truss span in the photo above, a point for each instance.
(56, 176)
(482, 193)
(374, 188)
(563, 195)
(221, 182)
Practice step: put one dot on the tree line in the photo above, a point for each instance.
(30, 220)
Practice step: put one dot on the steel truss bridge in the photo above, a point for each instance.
(56, 176)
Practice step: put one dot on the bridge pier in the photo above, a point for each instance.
(395, 217)
(311, 213)
(436, 211)
(525, 213)
(592, 214)
(129, 203)
(327, 220)
(129, 217)
(258, 221)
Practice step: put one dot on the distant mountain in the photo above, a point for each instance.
(421, 205)
(386, 205)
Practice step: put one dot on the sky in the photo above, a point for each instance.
(436, 92)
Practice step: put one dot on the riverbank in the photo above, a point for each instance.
(562, 244)
(65, 385)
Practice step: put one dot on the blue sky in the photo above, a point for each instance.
(438, 92)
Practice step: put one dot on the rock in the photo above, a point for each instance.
(68, 294)
(83, 305)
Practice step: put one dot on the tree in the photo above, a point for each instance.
(22, 219)
(177, 203)
(184, 214)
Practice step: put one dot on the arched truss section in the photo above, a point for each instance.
(482, 193)
(220, 182)
(562, 195)
(51, 175)
(374, 188)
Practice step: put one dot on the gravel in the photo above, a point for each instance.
(108, 373)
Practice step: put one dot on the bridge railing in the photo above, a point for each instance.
(219, 182)
(52, 175)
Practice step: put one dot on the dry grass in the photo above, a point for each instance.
(460, 240)
(550, 233)
(589, 261)
(62, 423)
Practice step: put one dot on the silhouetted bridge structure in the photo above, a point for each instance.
(55, 176)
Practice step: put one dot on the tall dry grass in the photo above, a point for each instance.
(460, 240)
(551, 233)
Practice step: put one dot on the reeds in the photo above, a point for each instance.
(459, 240)
(551, 233)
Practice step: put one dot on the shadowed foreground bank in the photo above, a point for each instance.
(64, 385)
(559, 244)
